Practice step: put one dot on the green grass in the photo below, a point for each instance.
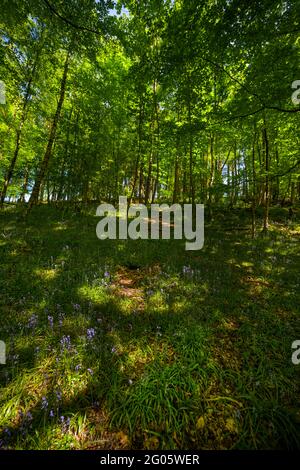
(191, 349)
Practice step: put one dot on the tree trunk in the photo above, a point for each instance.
(267, 162)
(14, 159)
(253, 207)
(44, 165)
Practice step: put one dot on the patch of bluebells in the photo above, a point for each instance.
(65, 423)
(61, 317)
(32, 323)
(26, 422)
(5, 438)
(44, 404)
(90, 334)
(65, 343)
(106, 279)
(187, 270)
(50, 320)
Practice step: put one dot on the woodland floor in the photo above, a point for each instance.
(141, 344)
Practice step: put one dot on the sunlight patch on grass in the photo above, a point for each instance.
(46, 274)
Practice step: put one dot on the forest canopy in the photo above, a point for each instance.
(158, 100)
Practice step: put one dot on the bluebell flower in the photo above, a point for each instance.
(32, 321)
(44, 403)
(50, 319)
(65, 342)
(90, 333)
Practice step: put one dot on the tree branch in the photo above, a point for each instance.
(69, 22)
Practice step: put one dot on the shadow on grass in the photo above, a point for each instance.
(202, 361)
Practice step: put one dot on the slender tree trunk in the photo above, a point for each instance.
(61, 188)
(293, 192)
(176, 179)
(266, 198)
(44, 165)
(138, 158)
(14, 159)
(141, 182)
(149, 176)
(25, 184)
(211, 176)
(191, 169)
(253, 208)
(156, 182)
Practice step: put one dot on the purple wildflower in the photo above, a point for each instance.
(50, 320)
(61, 317)
(90, 371)
(90, 333)
(65, 423)
(188, 270)
(32, 321)
(65, 342)
(44, 403)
